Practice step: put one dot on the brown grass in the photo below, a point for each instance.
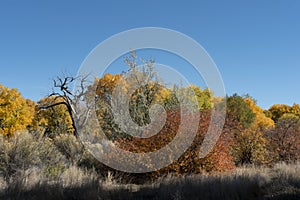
(37, 168)
(280, 182)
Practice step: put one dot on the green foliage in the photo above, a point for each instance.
(204, 97)
(51, 172)
(239, 110)
(250, 135)
(141, 101)
(250, 145)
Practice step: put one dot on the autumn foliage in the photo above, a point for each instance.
(16, 113)
(189, 162)
(250, 134)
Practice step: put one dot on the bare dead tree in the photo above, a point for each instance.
(72, 99)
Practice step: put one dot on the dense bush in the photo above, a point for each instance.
(24, 151)
(250, 135)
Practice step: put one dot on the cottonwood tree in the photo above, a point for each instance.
(138, 86)
(140, 101)
(240, 111)
(285, 138)
(72, 101)
(278, 110)
(250, 145)
(54, 120)
(16, 112)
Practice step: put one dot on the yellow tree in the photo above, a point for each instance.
(65, 107)
(204, 97)
(106, 84)
(54, 120)
(169, 97)
(278, 110)
(261, 121)
(140, 100)
(250, 145)
(104, 89)
(138, 89)
(16, 113)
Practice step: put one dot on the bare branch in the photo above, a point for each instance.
(61, 91)
(53, 105)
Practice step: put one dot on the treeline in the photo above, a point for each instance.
(250, 135)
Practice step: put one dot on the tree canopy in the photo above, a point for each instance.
(16, 112)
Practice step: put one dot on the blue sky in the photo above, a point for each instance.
(255, 44)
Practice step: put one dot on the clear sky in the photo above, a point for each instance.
(255, 44)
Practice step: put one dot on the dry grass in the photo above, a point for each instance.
(37, 168)
(280, 182)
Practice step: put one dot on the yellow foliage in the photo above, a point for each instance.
(250, 145)
(278, 110)
(107, 83)
(16, 113)
(261, 121)
(55, 119)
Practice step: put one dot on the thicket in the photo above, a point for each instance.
(41, 135)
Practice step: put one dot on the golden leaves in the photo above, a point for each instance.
(16, 113)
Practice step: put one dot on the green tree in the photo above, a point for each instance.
(137, 85)
(238, 110)
(250, 145)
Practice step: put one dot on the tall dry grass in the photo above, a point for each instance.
(280, 182)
